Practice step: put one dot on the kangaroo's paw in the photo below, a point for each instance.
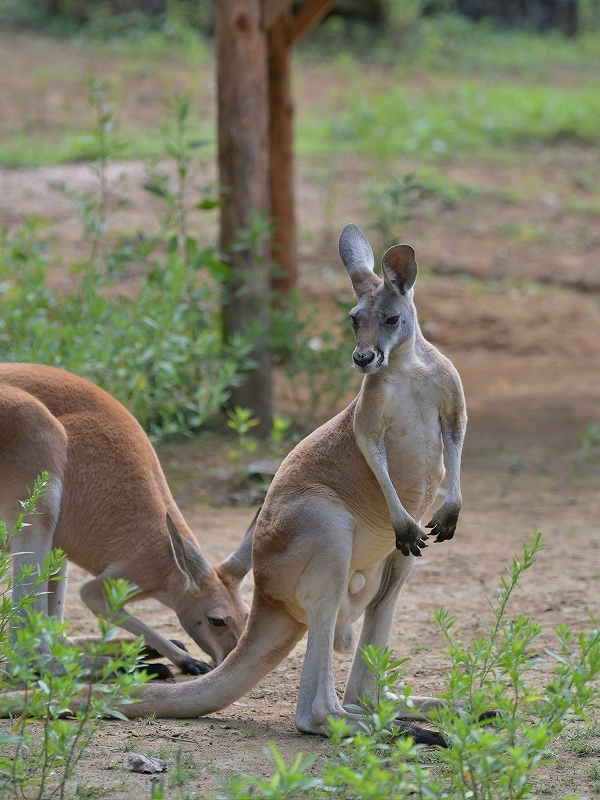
(193, 667)
(159, 672)
(410, 539)
(443, 523)
(151, 652)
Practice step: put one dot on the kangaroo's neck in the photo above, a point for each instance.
(404, 356)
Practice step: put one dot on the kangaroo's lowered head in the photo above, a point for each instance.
(210, 606)
(385, 316)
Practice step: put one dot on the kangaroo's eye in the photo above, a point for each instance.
(216, 622)
(392, 320)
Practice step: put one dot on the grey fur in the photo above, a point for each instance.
(357, 255)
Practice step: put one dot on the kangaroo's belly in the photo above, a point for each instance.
(373, 541)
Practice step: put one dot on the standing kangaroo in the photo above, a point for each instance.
(110, 509)
(339, 530)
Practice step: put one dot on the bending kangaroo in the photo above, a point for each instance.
(339, 530)
(110, 509)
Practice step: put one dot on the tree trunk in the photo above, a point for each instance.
(283, 241)
(244, 174)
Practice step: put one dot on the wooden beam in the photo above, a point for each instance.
(244, 173)
(272, 9)
(281, 157)
(311, 13)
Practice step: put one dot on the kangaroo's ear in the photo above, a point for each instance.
(357, 257)
(239, 563)
(399, 268)
(190, 558)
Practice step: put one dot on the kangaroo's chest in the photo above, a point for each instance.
(413, 437)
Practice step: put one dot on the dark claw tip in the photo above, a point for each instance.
(494, 714)
(193, 667)
(489, 716)
(157, 671)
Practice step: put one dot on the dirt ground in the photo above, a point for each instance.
(510, 291)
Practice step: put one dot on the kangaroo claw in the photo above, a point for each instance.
(443, 523)
(151, 652)
(421, 735)
(193, 667)
(159, 672)
(411, 540)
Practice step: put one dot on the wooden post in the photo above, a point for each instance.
(283, 32)
(243, 171)
(281, 158)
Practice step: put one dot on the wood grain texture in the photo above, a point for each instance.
(243, 171)
(281, 157)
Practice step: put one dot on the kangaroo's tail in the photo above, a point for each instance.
(270, 635)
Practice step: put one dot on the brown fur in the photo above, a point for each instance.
(107, 507)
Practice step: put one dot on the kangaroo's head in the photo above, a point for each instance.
(209, 603)
(384, 317)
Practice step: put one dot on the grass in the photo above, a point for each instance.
(583, 207)
(43, 83)
(24, 150)
(454, 91)
(522, 232)
(453, 43)
(461, 119)
(582, 740)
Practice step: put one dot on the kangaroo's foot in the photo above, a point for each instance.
(421, 735)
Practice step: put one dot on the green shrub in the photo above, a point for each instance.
(313, 353)
(109, 20)
(161, 353)
(55, 715)
(495, 761)
(391, 203)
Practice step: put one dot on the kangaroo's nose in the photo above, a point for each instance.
(363, 360)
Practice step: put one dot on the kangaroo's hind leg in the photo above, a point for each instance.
(57, 593)
(33, 442)
(320, 590)
(376, 630)
(29, 549)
